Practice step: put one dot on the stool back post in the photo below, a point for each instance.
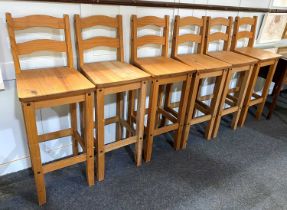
(99, 41)
(25, 48)
(217, 36)
(137, 42)
(196, 38)
(237, 35)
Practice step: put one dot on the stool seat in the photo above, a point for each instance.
(47, 83)
(259, 54)
(109, 73)
(235, 59)
(203, 62)
(162, 66)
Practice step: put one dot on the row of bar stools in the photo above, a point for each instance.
(44, 88)
(265, 58)
(207, 67)
(112, 77)
(165, 72)
(240, 64)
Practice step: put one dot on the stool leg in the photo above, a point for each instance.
(190, 110)
(140, 123)
(131, 105)
(32, 137)
(218, 89)
(268, 81)
(276, 93)
(160, 96)
(222, 102)
(100, 126)
(89, 138)
(248, 96)
(73, 111)
(120, 112)
(168, 93)
(241, 96)
(182, 110)
(151, 120)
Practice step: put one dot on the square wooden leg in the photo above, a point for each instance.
(89, 138)
(151, 119)
(268, 81)
(73, 113)
(131, 106)
(100, 129)
(190, 109)
(182, 111)
(32, 137)
(120, 112)
(140, 123)
(218, 89)
(241, 96)
(168, 92)
(248, 96)
(222, 102)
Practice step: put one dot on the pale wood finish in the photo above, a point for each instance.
(41, 88)
(110, 73)
(165, 72)
(265, 58)
(112, 77)
(207, 67)
(239, 64)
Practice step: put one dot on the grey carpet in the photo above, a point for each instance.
(242, 169)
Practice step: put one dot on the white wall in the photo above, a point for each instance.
(14, 155)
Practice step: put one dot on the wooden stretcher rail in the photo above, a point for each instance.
(169, 5)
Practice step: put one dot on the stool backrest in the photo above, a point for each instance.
(25, 48)
(137, 42)
(195, 38)
(237, 34)
(218, 36)
(99, 41)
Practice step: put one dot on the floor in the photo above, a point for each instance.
(242, 169)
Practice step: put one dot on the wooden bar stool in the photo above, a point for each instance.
(232, 97)
(42, 88)
(112, 77)
(165, 72)
(265, 58)
(207, 68)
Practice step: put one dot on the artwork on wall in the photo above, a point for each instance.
(283, 50)
(272, 27)
(279, 3)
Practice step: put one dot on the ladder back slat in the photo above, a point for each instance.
(219, 21)
(40, 45)
(38, 21)
(151, 20)
(246, 21)
(189, 38)
(100, 41)
(218, 36)
(98, 20)
(244, 34)
(150, 39)
(190, 20)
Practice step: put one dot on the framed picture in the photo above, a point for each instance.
(272, 27)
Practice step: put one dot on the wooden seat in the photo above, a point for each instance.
(241, 65)
(36, 84)
(111, 73)
(43, 88)
(165, 72)
(232, 58)
(265, 58)
(162, 66)
(113, 77)
(207, 68)
(260, 54)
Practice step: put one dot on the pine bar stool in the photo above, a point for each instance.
(112, 77)
(42, 88)
(265, 58)
(165, 71)
(207, 68)
(232, 98)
